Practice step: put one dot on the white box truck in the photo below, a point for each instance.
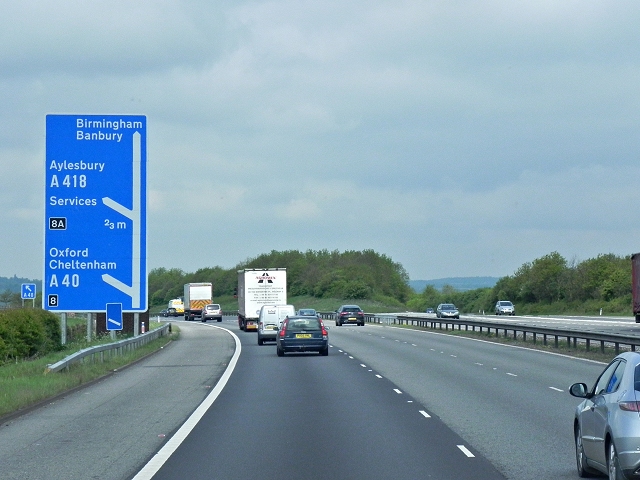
(196, 296)
(258, 287)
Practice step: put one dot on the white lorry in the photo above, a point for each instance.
(196, 296)
(175, 308)
(258, 287)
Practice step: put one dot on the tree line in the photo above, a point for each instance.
(549, 284)
(321, 274)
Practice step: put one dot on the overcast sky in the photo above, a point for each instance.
(458, 138)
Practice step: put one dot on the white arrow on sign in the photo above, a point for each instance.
(115, 322)
(134, 215)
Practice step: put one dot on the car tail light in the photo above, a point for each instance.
(283, 330)
(360, 313)
(630, 406)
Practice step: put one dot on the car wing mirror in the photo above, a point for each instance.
(579, 390)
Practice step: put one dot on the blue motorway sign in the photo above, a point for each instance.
(28, 291)
(95, 213)
(114, 316)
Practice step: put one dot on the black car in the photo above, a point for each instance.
(349, 314)
(302, 334)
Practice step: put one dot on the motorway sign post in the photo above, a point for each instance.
(95, 213)
(28, 292)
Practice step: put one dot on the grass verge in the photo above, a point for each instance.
(24, 384)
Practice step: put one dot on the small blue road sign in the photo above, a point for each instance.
(114, 316)
(95, 213)
(28, 291)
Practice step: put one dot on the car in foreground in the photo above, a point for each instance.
(606, 424)
(505, 307)
(349, 314)
(211, 311)
(302, 334)
(447, 310)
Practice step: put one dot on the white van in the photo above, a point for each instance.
(270, 319)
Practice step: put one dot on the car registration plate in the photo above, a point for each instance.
(270, 327)
(352, 318)
(303, 335)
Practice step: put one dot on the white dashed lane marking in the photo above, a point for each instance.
(466, 451)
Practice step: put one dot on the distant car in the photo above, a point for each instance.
(307, 312)
(164, 313)
(302, 334)
(429, 310)
(171, 312)
(211, 311)
(606, 424)
(349, 314)
(447, 310)
(505, 307)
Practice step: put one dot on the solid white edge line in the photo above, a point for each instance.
(159, 459)
(466, 451)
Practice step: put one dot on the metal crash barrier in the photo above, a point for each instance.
(117, 348)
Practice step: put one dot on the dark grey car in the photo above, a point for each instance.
(349, 314)
(606, 424)
(302, 334)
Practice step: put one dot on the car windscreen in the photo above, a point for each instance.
(303, 325)
(448, 307)
(505, 304)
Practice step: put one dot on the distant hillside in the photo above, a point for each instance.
(459, 283)
(13, 284)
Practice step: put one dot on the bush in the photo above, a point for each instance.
(27, 333)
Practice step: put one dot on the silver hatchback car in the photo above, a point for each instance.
(607, 422)
(505, 307)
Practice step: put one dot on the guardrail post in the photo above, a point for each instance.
(63, 328)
